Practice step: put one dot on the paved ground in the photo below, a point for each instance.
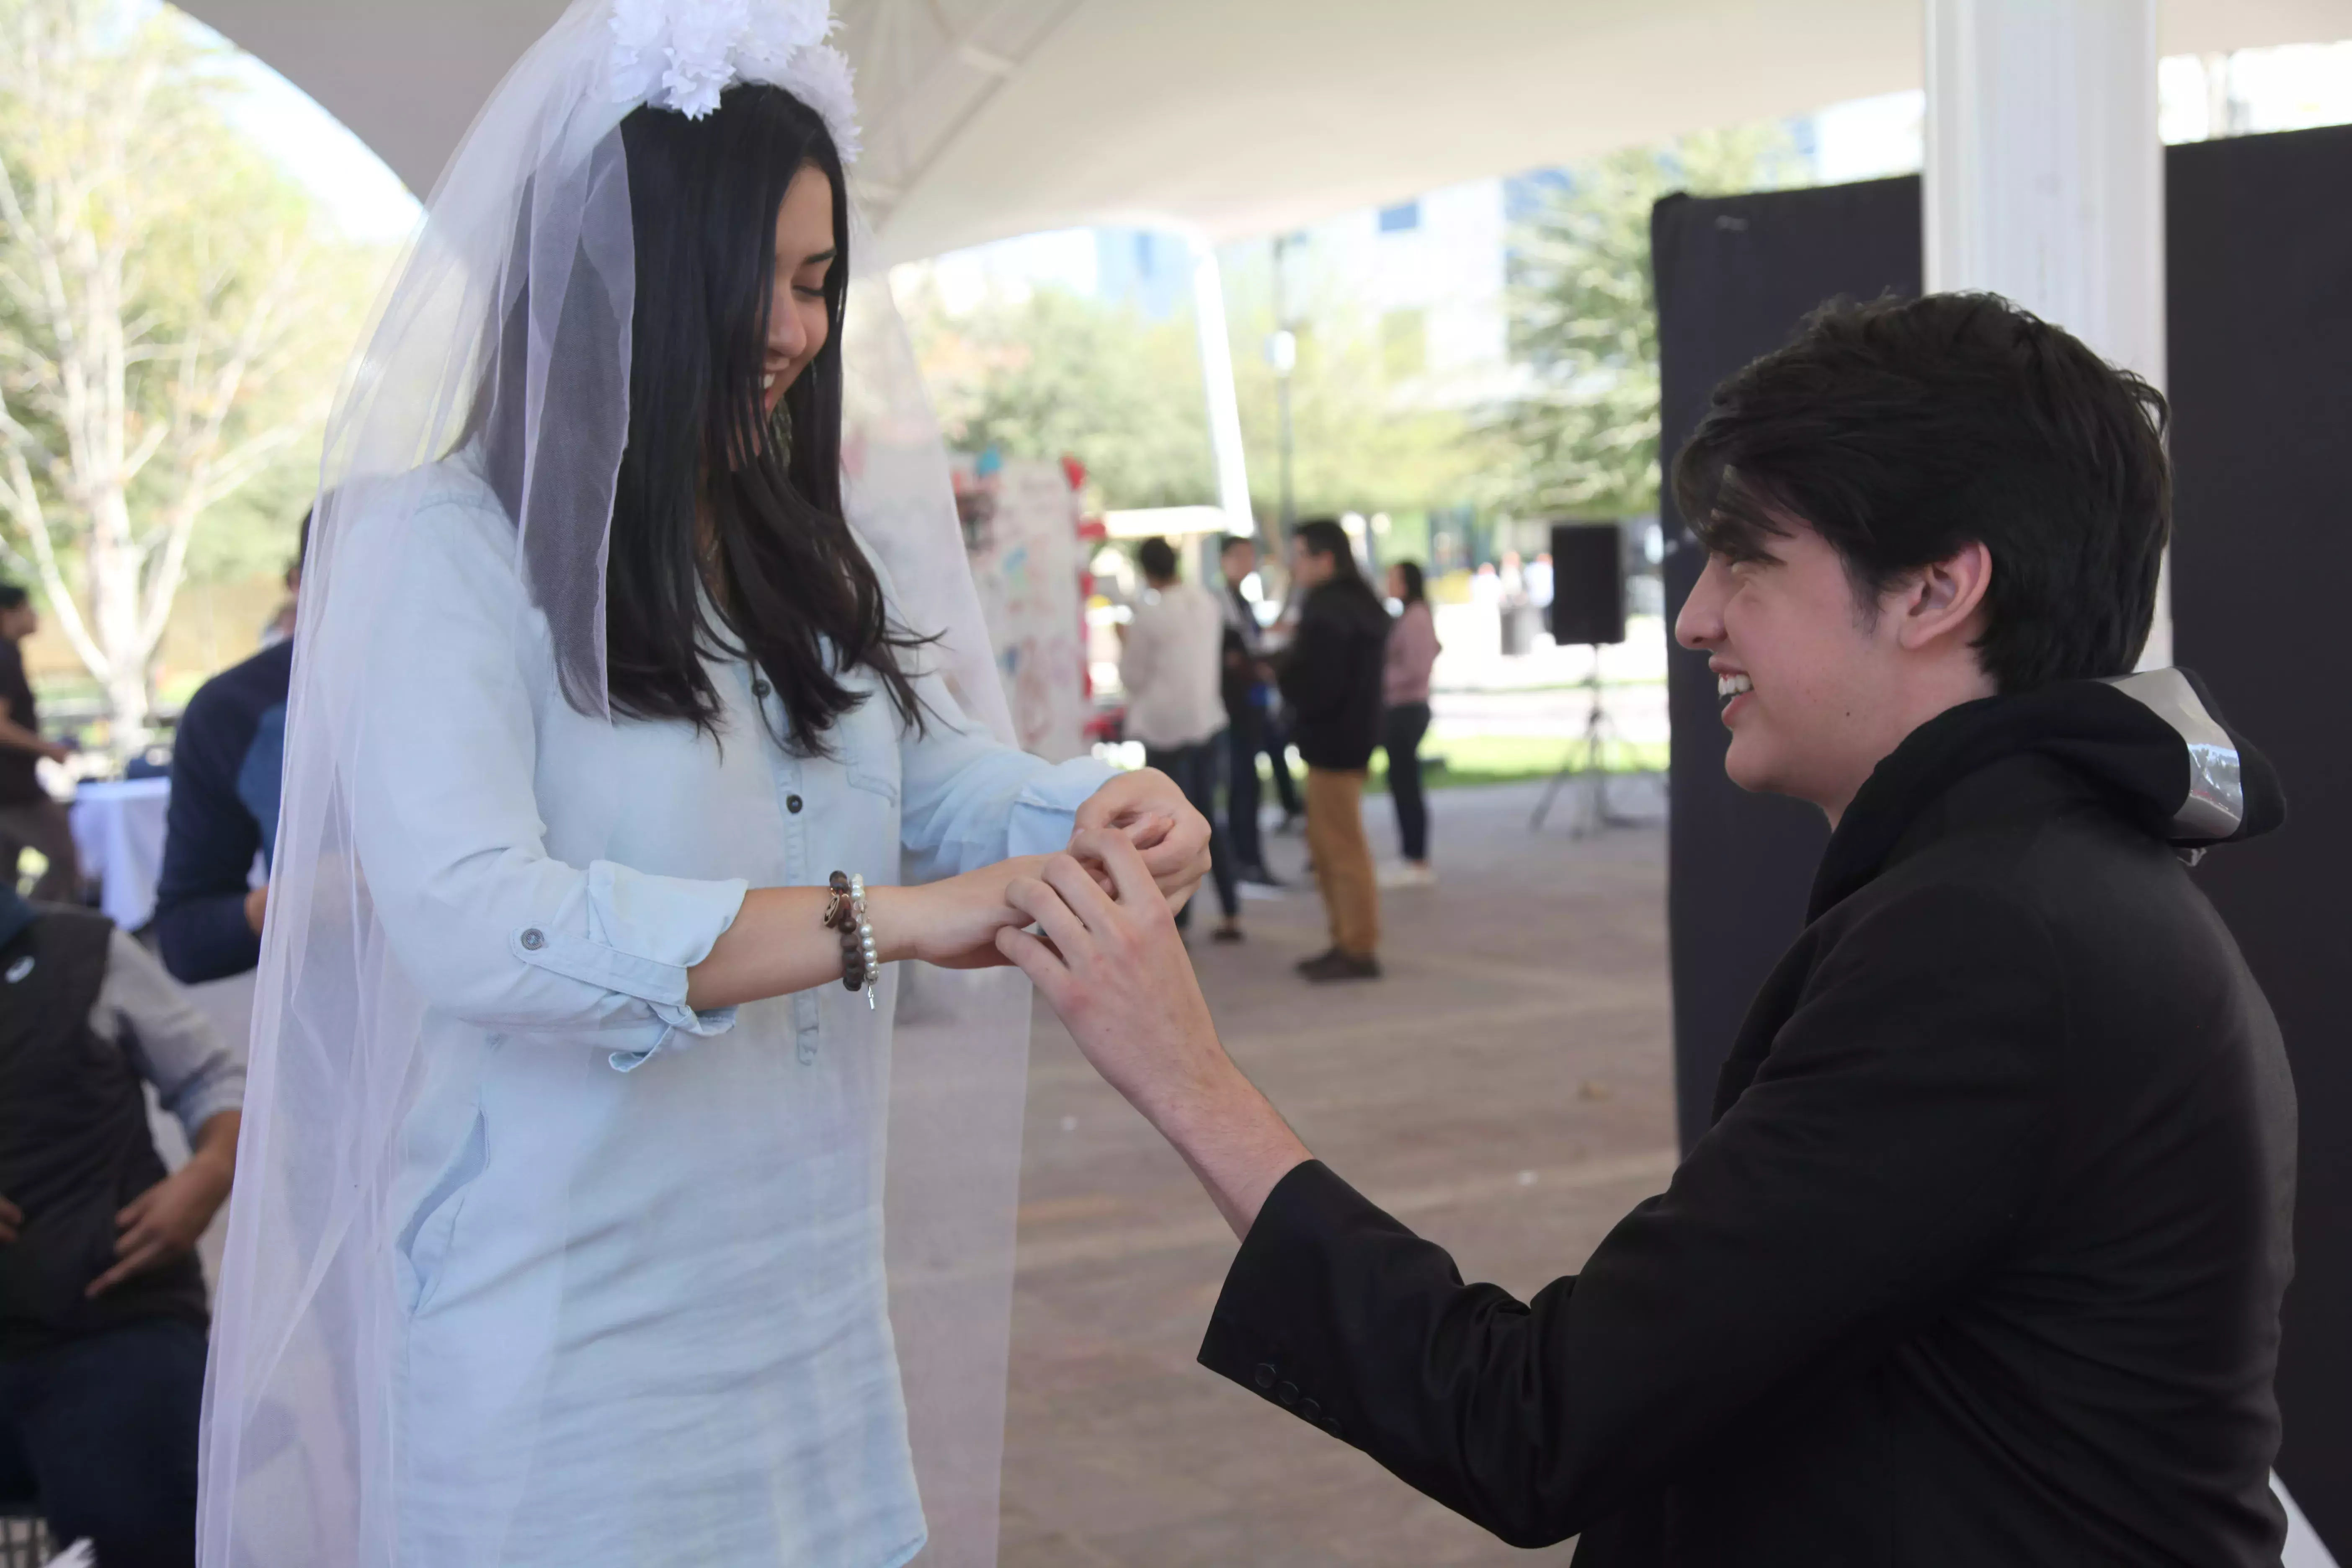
(1507, 1090)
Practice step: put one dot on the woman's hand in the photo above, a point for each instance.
(1149, 812)
(951, 924)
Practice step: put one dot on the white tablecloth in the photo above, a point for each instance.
(118, 828)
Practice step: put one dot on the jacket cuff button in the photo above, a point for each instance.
(1330, 1423)
(1264, 1374)
(1287, 1393)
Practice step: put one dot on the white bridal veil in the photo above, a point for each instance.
(524, 259)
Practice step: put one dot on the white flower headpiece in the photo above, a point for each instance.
(682, 54)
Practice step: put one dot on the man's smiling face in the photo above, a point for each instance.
(1802, 669)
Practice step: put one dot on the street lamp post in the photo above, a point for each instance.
(1281, 349)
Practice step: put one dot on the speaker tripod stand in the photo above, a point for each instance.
(1595, 813)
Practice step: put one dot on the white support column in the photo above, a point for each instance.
(2045, 174)
(1217, 378)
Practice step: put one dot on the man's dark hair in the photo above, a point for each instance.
(1900, 431)
(11, 596)
(1324, 536)
(1234, 542)
(1158, 558)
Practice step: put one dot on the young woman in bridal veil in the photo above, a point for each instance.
(560, 1233)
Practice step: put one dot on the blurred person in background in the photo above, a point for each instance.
(29, 820)
(1252, 728)
(102, 1304)
(1171, 662)
(1404, 693)
(1331, 680)
(229, 759)
(280, 628)
(1540, 585)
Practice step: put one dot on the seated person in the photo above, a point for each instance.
(102, 1306)
(1981, 1260)
(227, 760)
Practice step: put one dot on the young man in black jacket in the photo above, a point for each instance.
(1981, 1261)
(1330, 678)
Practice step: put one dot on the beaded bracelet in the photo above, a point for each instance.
(844, 912)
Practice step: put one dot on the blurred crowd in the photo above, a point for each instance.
(106, 1040)
(1336, 672)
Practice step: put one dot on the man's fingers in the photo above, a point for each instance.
(1043, 905)
(1146, 832)
(132, 1212)
(146, 1257)
(1128, 871)
(1076, 883)
(1040, 962)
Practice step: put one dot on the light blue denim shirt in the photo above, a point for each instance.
(644, 1308)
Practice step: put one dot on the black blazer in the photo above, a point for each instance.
(1980, 1263)
(1330, 676)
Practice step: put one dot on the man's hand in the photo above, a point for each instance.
(163, 1222)
(1148, 809)
(1117, 973)
(257, 907)
(11, 1217)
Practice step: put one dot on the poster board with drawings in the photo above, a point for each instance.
(1021, 531)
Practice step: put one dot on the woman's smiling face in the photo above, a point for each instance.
(798, 320)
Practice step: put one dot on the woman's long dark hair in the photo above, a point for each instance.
(1416, 587)
(800, 600)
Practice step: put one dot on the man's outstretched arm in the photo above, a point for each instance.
(1881, 1159)
(1107, 973)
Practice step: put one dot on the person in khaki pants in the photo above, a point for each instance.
(1330, 681)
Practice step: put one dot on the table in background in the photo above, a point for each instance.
(118, 825)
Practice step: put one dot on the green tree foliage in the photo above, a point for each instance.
(1371, 431)
(1053, 374)
(173, 321)
(1583, 441)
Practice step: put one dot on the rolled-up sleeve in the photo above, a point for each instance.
(488, 925)
(196, 1074)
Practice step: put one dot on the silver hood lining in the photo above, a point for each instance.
(2216, 804)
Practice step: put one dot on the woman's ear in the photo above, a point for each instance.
(1945, 598)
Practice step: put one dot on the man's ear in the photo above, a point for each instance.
(1943, 599)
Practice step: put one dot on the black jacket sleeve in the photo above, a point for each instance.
(1312, 672)
(209, 843)
(1885, 1152)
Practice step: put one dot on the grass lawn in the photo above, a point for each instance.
(1466, 760)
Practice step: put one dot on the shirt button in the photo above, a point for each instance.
(1264, 1374)
(760, 688)
(535, 939)
(792, 804)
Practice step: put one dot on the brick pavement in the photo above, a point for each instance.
(1508, 1090)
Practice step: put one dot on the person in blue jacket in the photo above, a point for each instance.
(227, 760)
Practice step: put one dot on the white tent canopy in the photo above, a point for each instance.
(1219, 118)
